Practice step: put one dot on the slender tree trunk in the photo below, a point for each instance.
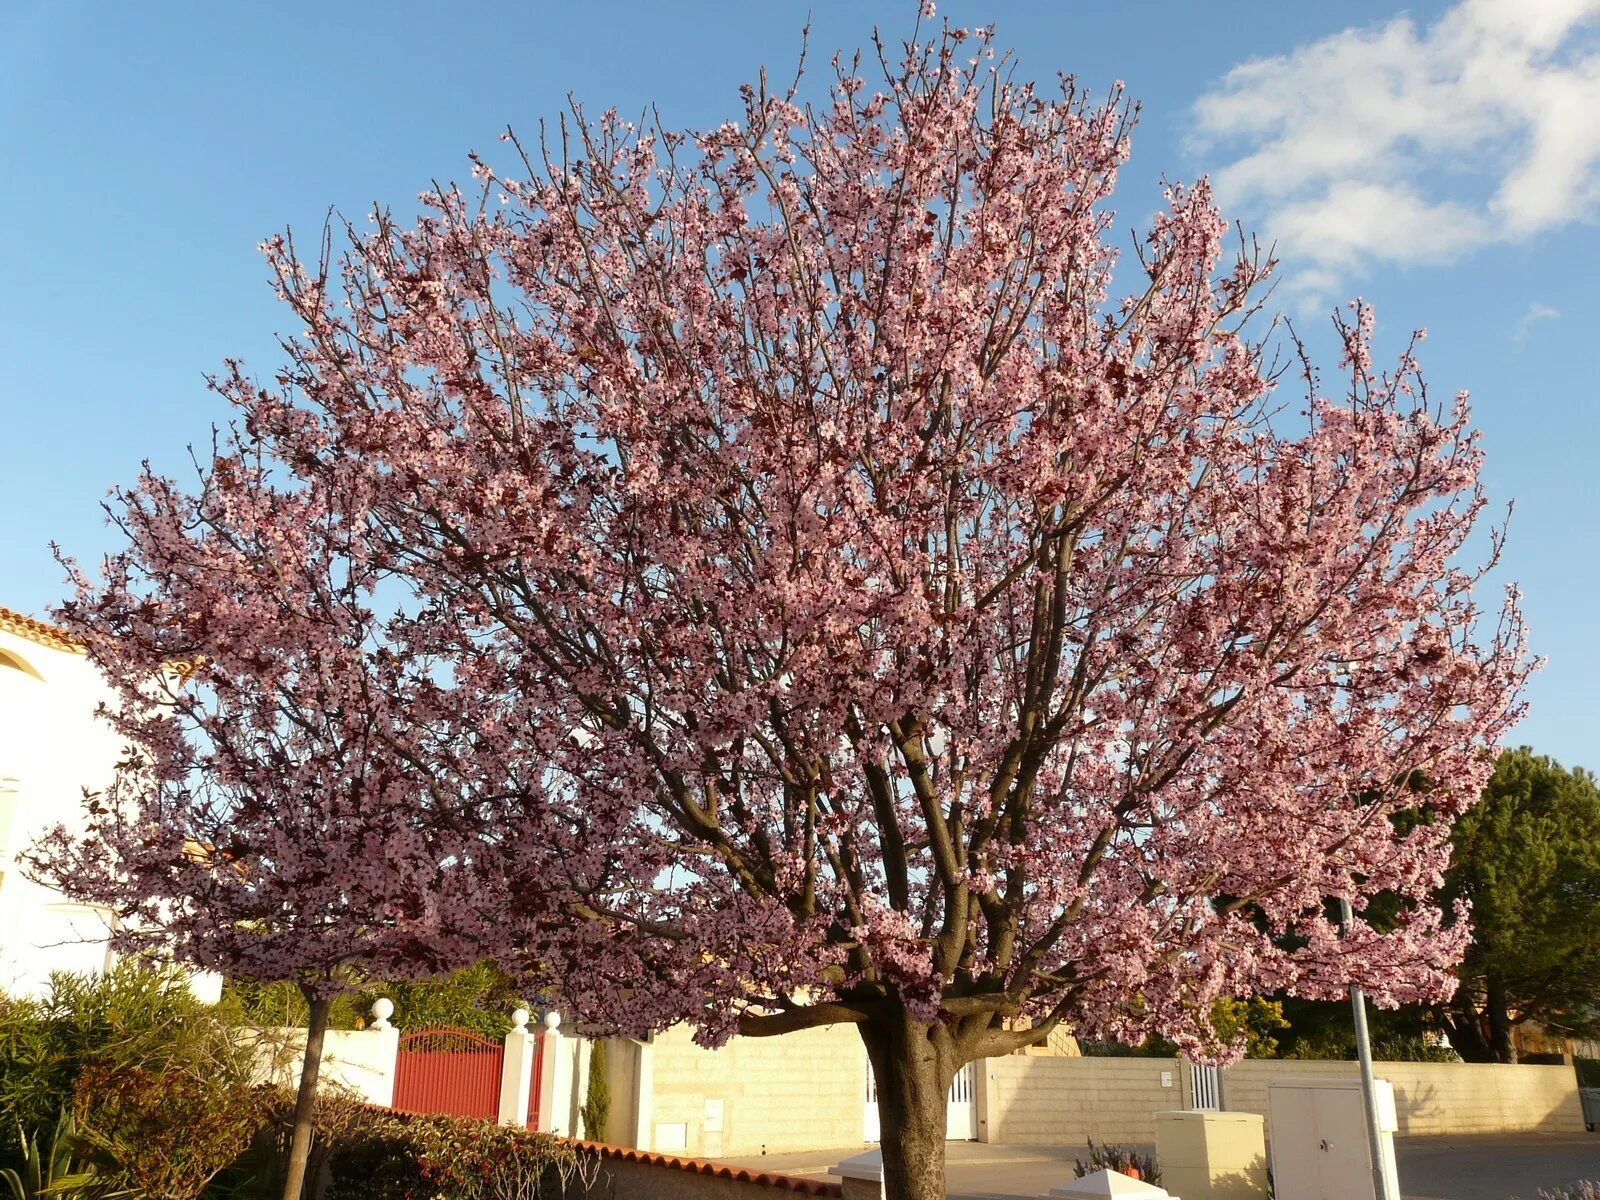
(305, 1101)
(1499, 1022)
(912, 1065)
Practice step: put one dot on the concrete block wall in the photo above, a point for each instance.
(1029, 1100)
(1435, 1098)
(801, 1091)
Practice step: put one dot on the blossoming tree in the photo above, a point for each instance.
(866, 609)
(271, 817)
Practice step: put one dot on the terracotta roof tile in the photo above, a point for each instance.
(33, 630)
(700, 1166)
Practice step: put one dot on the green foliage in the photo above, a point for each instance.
(54, 1172)
(1123, 1159)
(421, 1158)
(1579, 1189)
(1256, 1021)
(1325, 1029)
(258, 1173)
(479, 998)
(167, 1132)
(1528, 859)
(1342, 1046)
(597, 1099)
(131, 1016)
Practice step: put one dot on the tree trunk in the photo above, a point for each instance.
(1499, 1021)
(912, 1065)
(1465, 1026)
(305, 1101)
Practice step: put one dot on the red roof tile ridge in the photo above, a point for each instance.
(701, 1166)
(34, 630)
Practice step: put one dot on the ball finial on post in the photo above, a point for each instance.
(382, 1010)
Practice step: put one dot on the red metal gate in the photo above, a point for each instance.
(535, 1076)
(450, 1071)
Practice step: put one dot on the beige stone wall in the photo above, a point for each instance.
(801, 1091)
(1435, 1097)
(1025, 1099)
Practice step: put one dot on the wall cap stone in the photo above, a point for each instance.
(700, 1166)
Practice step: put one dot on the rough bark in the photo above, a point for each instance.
(305, 1100)
(1498, 1010)
(1465, 1026)
(912, 1065)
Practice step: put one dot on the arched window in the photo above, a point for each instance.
(14, 662)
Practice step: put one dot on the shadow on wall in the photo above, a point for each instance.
(1435, 1098)
(1251, 1183)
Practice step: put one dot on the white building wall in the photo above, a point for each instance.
(52, 748)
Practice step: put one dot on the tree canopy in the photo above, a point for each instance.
(862, 599)
(1528, 859)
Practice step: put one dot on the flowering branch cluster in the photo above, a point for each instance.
(852, 603)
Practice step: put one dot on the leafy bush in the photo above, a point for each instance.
(338, 1120)
(166, 1133)
(478, 998)
(1255, 1022)
(131, 1016)
(55, 1170)
(1396, 1049)
(421, 1158)
(1124, 1159)
(1582, 1189)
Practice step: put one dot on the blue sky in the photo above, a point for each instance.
(1441, 160)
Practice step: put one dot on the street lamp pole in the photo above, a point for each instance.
(1369, 1090)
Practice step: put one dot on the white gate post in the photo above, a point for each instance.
(386, 1063)
(555, 1077)
(516, 1071)
(644, 1090)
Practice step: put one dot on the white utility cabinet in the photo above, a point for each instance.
(1319, 1139)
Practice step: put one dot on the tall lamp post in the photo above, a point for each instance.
(1369, 1091)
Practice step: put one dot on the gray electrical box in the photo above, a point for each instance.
(1318, 1139)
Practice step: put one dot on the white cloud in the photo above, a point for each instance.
(1408, 145)
(1536, 313)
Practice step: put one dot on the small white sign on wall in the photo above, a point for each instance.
(714, 1110)
(1166, 1079)
(672, 1135)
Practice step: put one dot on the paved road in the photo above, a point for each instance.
(1431, 1168)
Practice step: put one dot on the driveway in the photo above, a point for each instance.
(1431, 1168)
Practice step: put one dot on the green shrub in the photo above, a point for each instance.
(165, 1133)
(258, 1173)
(1395, 1049)
(1582, 1189)
(131, 1016)
(597, 1099)
(477, 998)
(446, 1158)
(55, 1170)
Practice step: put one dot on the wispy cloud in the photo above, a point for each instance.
(1405, 145)
(1536, 313)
